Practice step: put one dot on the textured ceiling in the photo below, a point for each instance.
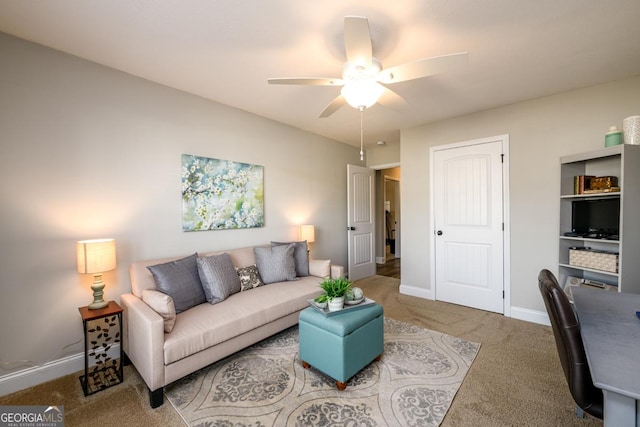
(225, 50)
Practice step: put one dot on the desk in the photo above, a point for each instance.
(611, 334)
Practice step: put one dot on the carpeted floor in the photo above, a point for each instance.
(414, 383)
(515, 380)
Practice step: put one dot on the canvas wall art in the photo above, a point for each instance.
(221, 194)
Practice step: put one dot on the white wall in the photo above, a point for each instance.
(91, 152)
(540, 131)
(387, 154)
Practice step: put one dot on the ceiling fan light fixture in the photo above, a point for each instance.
(362, 93)
(363, 79)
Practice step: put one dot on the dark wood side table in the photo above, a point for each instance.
(100, 335)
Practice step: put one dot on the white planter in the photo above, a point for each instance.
(631, 130)
(336, 304)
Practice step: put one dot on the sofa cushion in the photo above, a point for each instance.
(276, 263)
(320, 267)
(163, 305)
(207, 325)
(249, 277)
(141, 277)
(180, 280)
(300, 256)
(218, 276)
(241, 257)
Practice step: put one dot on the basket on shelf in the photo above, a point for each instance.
(594, 259)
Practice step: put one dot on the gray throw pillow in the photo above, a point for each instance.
(249, 278)
(218, 276)
(300, 256)
(275, 264)
(180, 280)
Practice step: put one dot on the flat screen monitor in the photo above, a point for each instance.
(599, 216)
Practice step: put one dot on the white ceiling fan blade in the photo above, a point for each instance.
(392, 100)
(313, 81)
(423, 68)
(333, 106)
(357, 41)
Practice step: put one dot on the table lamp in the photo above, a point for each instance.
(95, 257)
(308, 233)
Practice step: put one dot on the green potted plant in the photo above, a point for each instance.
(334, 292)
(321, 301)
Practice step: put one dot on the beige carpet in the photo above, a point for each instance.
(413, 384)
(516, 378)
(123, 405)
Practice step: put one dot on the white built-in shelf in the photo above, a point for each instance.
(623, 162)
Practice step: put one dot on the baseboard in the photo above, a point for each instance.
(35, 375)
(519, 313)
(29, 377)
(381, 260)
(416, 292)
(529, 315)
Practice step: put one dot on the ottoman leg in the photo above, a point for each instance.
(341, 385)
(378, 357)
(305, 365)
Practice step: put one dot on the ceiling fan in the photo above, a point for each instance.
(363, 78)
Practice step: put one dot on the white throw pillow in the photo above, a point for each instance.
(320, 267)
(162, 304)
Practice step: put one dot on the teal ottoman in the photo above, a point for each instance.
(342, 344)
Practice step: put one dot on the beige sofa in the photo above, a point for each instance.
(207, 332)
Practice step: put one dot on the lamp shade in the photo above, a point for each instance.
(96, 256)
(308, 233)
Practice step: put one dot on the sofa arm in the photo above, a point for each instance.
(143, 340)
(337, 271)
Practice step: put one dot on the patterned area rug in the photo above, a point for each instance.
(265, 385)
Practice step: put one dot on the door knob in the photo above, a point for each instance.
(439, 232)
(351, 228)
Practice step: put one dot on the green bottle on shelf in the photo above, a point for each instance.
(613, 137)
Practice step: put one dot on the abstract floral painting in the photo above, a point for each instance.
(221, 194)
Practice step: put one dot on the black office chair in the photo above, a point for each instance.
(566, 330)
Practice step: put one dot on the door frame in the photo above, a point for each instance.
(380, 207)
(506, 235)
(397, 209)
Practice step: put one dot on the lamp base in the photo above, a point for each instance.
(95, 305)
(98, 286)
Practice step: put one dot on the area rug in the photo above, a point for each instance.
(265, 385)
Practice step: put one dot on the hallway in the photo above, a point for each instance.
(391, 268)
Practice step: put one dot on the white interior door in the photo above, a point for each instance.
(468, 220)
(361, 221)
